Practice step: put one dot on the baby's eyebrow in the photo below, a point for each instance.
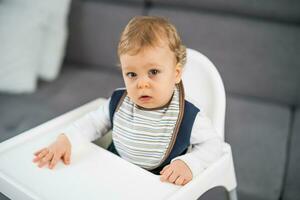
(146, 66)
(152, 64)
(128, 68)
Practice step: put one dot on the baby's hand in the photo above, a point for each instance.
(176, 172)
(61, 148)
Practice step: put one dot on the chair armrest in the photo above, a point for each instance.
(220, 173)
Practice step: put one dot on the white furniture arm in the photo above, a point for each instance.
(220, 173)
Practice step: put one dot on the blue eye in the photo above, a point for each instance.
(131, 74)
(153, 72)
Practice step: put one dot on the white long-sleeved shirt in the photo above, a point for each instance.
(205, 142)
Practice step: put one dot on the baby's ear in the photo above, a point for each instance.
(178, 72)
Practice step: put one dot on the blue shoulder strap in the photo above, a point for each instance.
(114, 101)
(184, 134)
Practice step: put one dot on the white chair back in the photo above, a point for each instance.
(204, 87)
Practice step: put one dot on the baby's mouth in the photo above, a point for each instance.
(145, 98)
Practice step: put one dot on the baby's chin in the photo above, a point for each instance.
(149, 103)
(151, 106)
(146, 105)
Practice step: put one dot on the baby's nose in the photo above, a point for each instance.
(143, 83)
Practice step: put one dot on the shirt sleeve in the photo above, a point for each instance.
(89, 127)
(207, 145)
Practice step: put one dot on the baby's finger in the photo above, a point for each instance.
(66, 157)
(164, 169)
(54, 161)
(41, 155)
(179, 180)
(185, 181)
(173, 177)
(46, 159)
(39, 151)
(165, 176)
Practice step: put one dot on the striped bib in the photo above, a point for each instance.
(142, 136)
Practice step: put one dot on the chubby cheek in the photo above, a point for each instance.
(128, 84)
(165, 93)
(131, 91)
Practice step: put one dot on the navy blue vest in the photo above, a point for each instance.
(183, 137)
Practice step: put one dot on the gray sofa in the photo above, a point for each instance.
(254, 44)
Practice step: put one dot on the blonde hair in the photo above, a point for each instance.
(149, 31)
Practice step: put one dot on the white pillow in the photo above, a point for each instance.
(20, 43)
(55, 35)
(32, 42)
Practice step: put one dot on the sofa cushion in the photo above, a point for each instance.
(74, 87)
(279, 10)
(255, 58)
(292, 183)
(20, 113)
(217, 193)
(95, 28)
(258, 133)
(220, 193)
(77, 86)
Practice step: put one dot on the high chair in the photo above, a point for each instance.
(95, 173)
(203, 83)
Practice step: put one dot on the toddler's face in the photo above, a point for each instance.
(150, 76)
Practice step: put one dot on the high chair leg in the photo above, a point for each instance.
(232, 195)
